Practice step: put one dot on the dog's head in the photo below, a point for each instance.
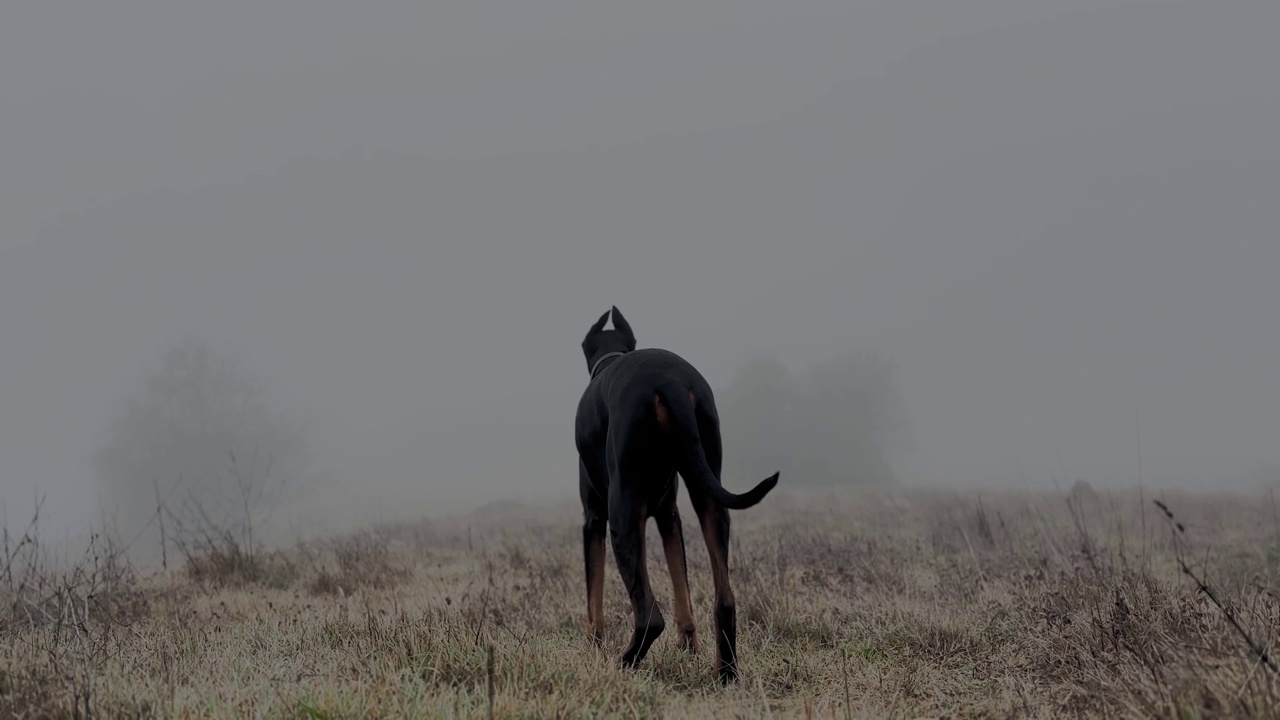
(600, 342)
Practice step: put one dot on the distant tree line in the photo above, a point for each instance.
(200, 437)
(839, 422)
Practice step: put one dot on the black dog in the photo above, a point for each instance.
(646, 415)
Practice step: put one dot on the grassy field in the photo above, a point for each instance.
(917, 604)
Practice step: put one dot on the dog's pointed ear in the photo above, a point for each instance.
(621, 325)
(599, 323)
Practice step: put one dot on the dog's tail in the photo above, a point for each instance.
(675, 410)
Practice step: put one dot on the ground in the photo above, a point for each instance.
(851, 604)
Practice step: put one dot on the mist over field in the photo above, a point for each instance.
(353, 249)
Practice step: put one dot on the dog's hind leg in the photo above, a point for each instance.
(715, 530)
(672, 532)
(714, 521)
(626, 529)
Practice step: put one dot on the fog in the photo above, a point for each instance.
(1058, 219)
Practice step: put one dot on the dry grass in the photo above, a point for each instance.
(852, 605)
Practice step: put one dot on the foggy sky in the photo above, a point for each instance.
(404, 217)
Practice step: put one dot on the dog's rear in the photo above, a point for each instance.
(678, 418)
(644, 416)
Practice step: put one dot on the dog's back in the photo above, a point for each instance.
(662, 405)
(641, 372)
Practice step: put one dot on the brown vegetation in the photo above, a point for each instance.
(850, 605)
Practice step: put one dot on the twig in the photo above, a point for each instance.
(489, 666)
(1142, 501)
(982, 576)
(27, 538)
(1178, 531)
(164, 550)
(484, 605)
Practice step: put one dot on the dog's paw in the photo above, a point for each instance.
(689, 640)
(594, 633)
(726, 672)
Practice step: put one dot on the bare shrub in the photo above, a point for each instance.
(61, 622)
(224, 547)
(223, 558)
(360, 560)
(222, 562)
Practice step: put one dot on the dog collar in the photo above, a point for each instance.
(604, 357)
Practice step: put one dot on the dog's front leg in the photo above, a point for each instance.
(672, 533)
(593, 549)
(593, 552)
